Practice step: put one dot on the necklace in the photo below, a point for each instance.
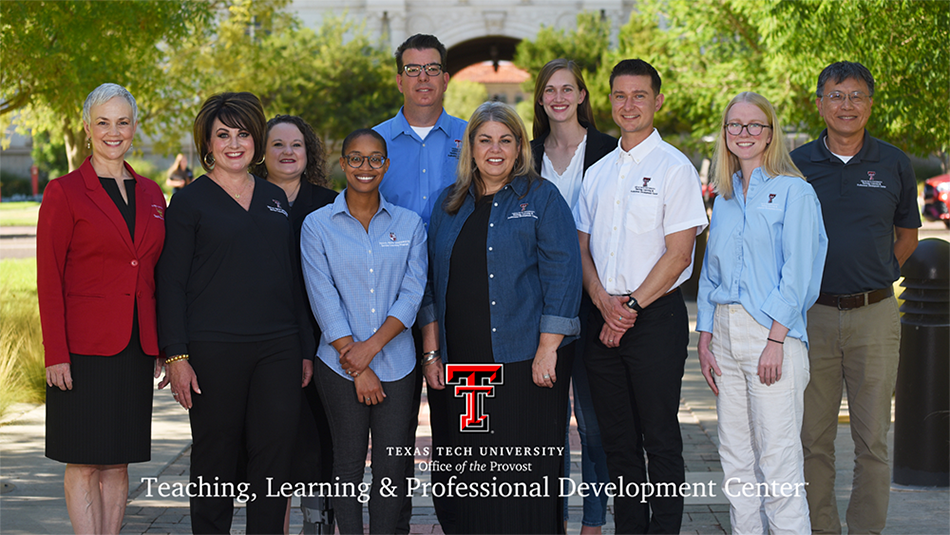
(231, 193)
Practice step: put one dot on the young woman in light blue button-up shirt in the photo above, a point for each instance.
(761, 273)
(364, 262)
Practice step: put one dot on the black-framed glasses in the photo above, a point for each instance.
(414, 69)
(356, 160)
(856, 97)
(753, 129)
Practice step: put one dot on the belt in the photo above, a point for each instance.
(847, 302)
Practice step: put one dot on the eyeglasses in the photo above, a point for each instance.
(753, 129)
(414, 70)
(856, 97)
(356, 160)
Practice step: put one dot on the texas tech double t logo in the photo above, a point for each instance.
(474, 382)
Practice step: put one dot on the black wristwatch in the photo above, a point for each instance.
(633, 305)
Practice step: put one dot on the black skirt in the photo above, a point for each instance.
(107, 417)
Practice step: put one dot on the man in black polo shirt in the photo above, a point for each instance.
(868, 200)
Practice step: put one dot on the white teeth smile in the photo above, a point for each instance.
(365, 178)
(233, 154)
(495, 160)
(113, 143)
(288, 161)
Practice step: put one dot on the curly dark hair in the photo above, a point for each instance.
(316, 170)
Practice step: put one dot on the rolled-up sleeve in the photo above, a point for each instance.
(559, 268)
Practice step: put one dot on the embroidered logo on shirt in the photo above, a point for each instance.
(645, 189)
(159, 212)
(454, 153)
(523, 213)
(870, 182)
(392, 236)
(277, 208)
(768, 205)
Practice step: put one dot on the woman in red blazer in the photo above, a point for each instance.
(99, 235)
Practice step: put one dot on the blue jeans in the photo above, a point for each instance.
(593, 458)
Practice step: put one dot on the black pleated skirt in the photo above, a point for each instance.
(107, 417)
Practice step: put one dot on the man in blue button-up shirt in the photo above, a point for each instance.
(424, 143)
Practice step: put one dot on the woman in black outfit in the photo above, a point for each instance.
(505, 280)
(295, 161)
(229, 303)
(566, 143)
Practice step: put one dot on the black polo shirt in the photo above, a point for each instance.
(861, 202)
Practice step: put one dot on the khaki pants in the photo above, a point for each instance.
(862, 348)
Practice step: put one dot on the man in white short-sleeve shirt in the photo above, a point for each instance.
(640, 210)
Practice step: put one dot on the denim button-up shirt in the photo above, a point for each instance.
(534, 267)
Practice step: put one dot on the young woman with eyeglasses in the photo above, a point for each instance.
(761, 274)
(364, 262)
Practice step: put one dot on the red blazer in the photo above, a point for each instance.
(89, 273)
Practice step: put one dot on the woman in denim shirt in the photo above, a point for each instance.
(504, 286)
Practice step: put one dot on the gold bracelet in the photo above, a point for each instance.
(176, 358)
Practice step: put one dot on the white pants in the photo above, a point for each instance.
(760, 427)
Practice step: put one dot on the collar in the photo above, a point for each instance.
(519, 185)
(339, 205)
(870, 150)
(91, 179)
(638, 153)
(401, 125)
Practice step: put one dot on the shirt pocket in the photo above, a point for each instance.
(642, 212)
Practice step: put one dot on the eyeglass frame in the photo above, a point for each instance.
(860, 96)
(353, 156)
(405, 69)
(746, 128)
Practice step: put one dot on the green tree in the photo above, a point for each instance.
(336, 78)
(587, 44)
(55, 53)
(714, 49)
(463, 96)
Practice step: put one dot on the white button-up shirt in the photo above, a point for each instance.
(629, 202)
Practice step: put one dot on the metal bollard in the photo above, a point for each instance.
(922, 405)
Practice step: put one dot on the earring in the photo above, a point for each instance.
(209, 165)
(88, 143)
(260, 162)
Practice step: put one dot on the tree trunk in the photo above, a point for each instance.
(75, 141)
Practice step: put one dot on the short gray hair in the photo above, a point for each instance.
(104, 93)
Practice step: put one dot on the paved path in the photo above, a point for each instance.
(31, 501)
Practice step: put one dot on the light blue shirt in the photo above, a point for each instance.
(356, 279)
(766, 251)
(420, 169)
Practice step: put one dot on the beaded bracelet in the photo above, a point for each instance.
(176, 358)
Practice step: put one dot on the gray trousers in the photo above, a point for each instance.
(351, 423)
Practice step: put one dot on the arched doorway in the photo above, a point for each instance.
(489, 48)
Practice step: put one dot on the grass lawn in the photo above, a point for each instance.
(19, 214)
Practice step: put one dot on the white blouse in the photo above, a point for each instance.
(569, 184)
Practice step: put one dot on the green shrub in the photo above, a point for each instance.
(22, 366)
